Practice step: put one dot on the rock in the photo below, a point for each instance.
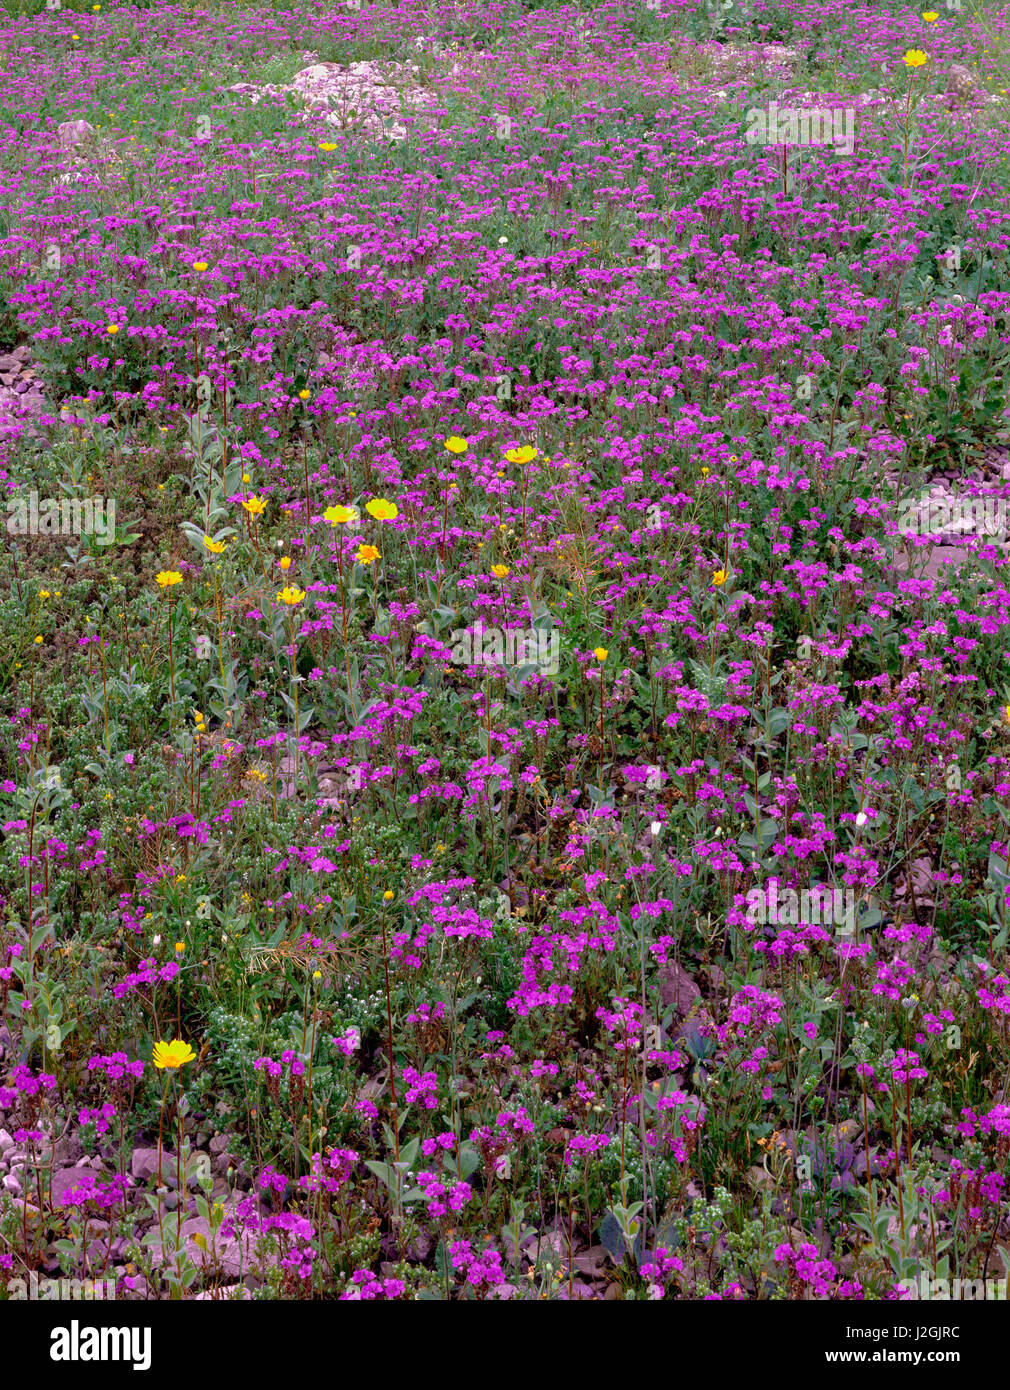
(960, 82)
(367, 97)
(72, 134)
(66, 1180)
(844, 1131)
(921, 885)
(593, 1261)
(231, 1257)
(578, 1290)
(420, 1249)
(760, 1177)
(677, 988)
(932, 562)
(6, 1142)
(219, 1144)
(144, 1165)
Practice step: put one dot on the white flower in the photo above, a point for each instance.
(861, 818)
(503, 241)
(157, 941)
(655, 829)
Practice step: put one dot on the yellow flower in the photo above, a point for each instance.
(180, 947)
(366, 554)
(327, 147)
(381, 509)
(255, 506)
(719, 578)
(930, 16)
(285, 562)
(336, 516)
(245, 478)
(317, 974)
(500, 571)
(521, 456)
(600, 653)
(290, 596)
(215, 547)
(200, 266)
(44, 593)
(166, 578)
(1006, 711)
(168, 1056)
(915, 58)
(304, 395)
(387, 896)
(112, 328)
(38, 641)
(456, 445)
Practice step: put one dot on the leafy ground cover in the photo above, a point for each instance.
(503, 794)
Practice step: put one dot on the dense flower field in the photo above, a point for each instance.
(505, 753)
